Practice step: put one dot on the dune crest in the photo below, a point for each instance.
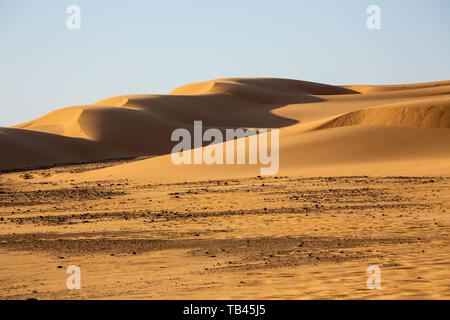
(288, 86)
(430, 114)
(396, 87)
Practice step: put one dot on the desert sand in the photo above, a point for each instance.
(363, 180)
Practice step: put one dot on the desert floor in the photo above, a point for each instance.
(286, 237)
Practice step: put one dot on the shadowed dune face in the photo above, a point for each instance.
(218, 110)
(27, 148)
(314, 119)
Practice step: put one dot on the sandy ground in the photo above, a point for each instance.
(285, 237)
(363, 180)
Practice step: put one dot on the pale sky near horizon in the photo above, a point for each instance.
(136, 46)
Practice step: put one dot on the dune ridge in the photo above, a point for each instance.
(422, 114)
(323, 128)
(396, 87)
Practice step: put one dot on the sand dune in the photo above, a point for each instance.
(337, 129)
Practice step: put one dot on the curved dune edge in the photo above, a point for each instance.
(288, 86)
(430, 114)
(396, 87)
(310, 116)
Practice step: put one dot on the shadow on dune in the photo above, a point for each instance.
(141, 125)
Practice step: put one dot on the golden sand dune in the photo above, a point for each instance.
(333, 128)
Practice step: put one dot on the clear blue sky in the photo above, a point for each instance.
(129, 47)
